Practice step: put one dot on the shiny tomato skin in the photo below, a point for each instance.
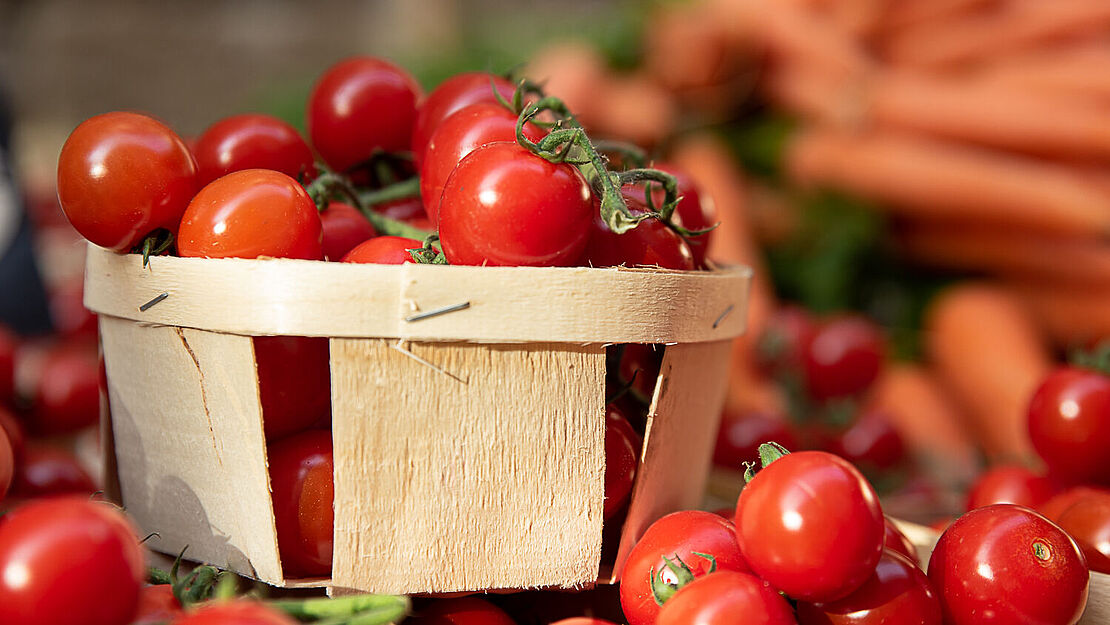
(1069, 424)
(123, 175)
(693, 212)
(780, 346)
(157, 605)
(252, 141)
(505, 206)
(344, 228)
(67, 391)
(294, 383)
(650, 244)
(894, 540)
(9, 343)
(740, 435)
(1054, 507)
(463, 611)
(677, 535)
(250, 214)
(1005, 564)
(236, 612)
(386, 250)
(301, 479)
(453, 94)
(843, 357)
(15, 433)
(47, 471)
(7, 463)
(726, 598)
(1010, 484)
(639, 366)
(69, 560)
(811, 525)
(1087, 521)
(360, 106)
(458, 135)
(622, 458)
(871, 443)
(897, 592)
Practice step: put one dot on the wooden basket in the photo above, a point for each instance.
(468, 446)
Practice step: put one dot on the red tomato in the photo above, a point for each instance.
(9, 342)
(1054, 507)
(622, 458)
(361, 106)
(1005, 564)
(250, 214)
(123, 175)
(294, 383)
(583, 620)
(897, 592)
(344, 228)
(1010, 484)
(46, 471)
(693, 211)
(385, 250)
(252, 141)
(639, 365)
(740, 436)
(409, 210)
(463, 611)
(157, 605)
(453, 94)
(780, 347)
(1069, 424)
(14, 431)
(677, 536)
(1088, 522)
(67, 392)
(870, 443)
(650, 244)
(69, 560)
(301, 480)
(843, 357)
(7, 463)
(458, 135)
(237, 612)
(504, 205)
(726, 598)
(896, 541)
(810, 524)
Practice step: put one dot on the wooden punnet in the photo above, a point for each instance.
(469, 445)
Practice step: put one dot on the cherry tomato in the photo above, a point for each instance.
(7, 463)
(843, 357)
(301, 480)
(622, 457)
(740, 436)
(67, 392)
(15, 434)
(897, 592)
(1088, 522)
(693, 212)
(453, 94)
(123, 175)
(458, 135)
(252, 141)
(1069, 424)
(69, 560)
(870, 442)
(344, 228)
(650, 244)
(1005, 564)
(504, 205)
(780, 347)
(1054, 507)
(896, 541)
(157, 605)
(236, 612)
(249, 214)
(8, 345)
(294, 383)
(677, 536)
(361, 106)
(583, 620)
(639, 366)
(46, 471)
(726, 598)
(409, 210)
(1010, 484)
(463, 611)
(811, 525)
(385, 250)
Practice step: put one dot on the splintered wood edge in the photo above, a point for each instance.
(476, 304)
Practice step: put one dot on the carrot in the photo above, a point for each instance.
(804, 90)
(1072, 316)
(572, 71)
(634, 108)
(989, 353)
(922, 178)
(774, 216)
(1077, 70)
(908, 13)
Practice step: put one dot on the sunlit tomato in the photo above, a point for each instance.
(622, 457)
(386, 250)
(780, 347)
(409, 210)
(896, 541)
(8, 345)
(463, 611)
(251, 214)
(726, 598)
(361, 106)
(843, 357)
(157, 605)
(302, 483)
(47, 470)
(67, 391)
(453, 94)
(897, 592)
(693, 212)
(458, 135)
(1055, 506)
(7, 463)
(740, 436)
(1010, 484)
(294, 383)
(236, 612)
(870, 442)
(504, 205)
(677, 536)
(650, 244)
(1069, 424)
(252, 141)
(1005, 564)
(639, 366)
(123, 175)
(344, 227)
(69, 560)
(811, 525)
(1088, 522)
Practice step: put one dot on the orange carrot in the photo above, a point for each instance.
(1077, 70)
(774, 216)
(805, 90)
(572, 71)
(634, 108)
(1072, 316)
(906, 13)
(989, 353)
(918, 177)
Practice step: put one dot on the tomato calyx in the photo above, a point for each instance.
(430, 254)
(154, 244)
(768, 453)
(662, 590)
(1095, 359)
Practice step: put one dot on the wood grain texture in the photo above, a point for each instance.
(481, 467)
(679, 440)
(506, 304)
(189, 444)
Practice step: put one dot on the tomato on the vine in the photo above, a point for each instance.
(453, 94)
(1069, 424)
(1010, 484)
(897, 592)
(344, 228)
(252, 141)
(1088, 522)
(407, 209)
(650, 244)
(235, 612)
(122, 176)
(842, 357)
(157, 606)
(693, 211)
(622, 458)
(387, 250)
(302, 482)
(726, 598)
(504, 205)
(250, 214)
(463, 611)
(294, 383)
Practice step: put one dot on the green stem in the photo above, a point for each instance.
(352, 610)
(393, 227)
(396, 191)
